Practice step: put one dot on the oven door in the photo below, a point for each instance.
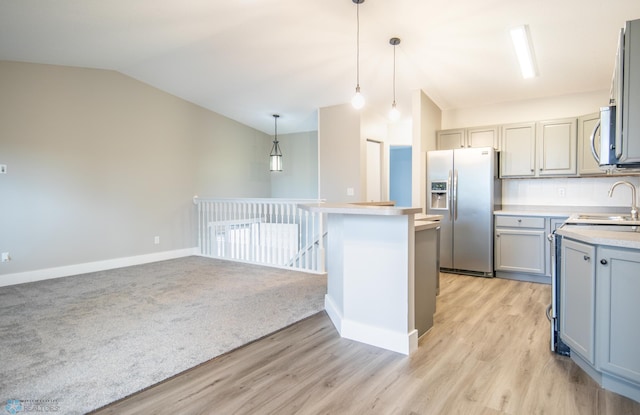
(553, 307)
(553, 310)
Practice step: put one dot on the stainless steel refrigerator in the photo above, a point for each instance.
(463, 186)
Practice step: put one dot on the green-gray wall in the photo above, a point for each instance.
(299, 176)
(99, 164)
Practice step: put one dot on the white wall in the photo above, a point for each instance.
(526, 110)
(299, 176)
(99, 164)
(340, 154)
(427, 118)
(574, 192)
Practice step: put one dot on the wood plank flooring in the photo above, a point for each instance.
(487, 354)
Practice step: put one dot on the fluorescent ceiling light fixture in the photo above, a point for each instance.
(524, 49)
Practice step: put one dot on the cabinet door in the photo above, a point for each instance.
(577, 298)
(557, 147)
(450, 139)
(483, 137)
(517, 157)
(520, 250)
(618, 272)
(426, 278)
(587, 164)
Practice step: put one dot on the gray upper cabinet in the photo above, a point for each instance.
(450, 139)
(470, 137)
(517, 155)
(556, 142)
(545, 148)
(587, 164)
(551, 148)
(483, 137)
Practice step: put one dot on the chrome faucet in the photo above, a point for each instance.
(634, 208)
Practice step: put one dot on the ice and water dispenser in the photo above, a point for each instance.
(439, 195)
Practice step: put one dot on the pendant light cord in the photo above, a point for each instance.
(394, 74)
(358, 45)
(275, 116)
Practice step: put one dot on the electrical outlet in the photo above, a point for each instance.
(156, 240)
(6, 257)
(561, 192)
(350, 191)
(3, 169)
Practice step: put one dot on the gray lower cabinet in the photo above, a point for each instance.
(520, 250)
(600, 313)
(426, 277)
(577, 301)
(618, 302)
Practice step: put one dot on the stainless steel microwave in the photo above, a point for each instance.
(620, 121)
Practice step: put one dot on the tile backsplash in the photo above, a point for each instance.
(579, 191)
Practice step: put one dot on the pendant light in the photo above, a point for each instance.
(358, 100)
(394, 114)
(275, 158)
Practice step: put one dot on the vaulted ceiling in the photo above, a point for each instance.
(249, 59)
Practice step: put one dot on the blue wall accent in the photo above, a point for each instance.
(400, 175)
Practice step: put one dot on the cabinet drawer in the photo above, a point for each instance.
(520, 222)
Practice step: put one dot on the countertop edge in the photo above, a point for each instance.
(423, 225)
(596, 237)
(352, 209)
(556, 211)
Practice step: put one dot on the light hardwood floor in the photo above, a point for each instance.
(487, 353)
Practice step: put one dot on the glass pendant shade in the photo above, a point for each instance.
(275, 158)
(358, 100)
(394, 114)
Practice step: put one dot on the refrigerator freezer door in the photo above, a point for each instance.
(440, 168)
(473, 226)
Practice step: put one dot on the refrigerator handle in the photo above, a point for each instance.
(450, 194)
(455, 194)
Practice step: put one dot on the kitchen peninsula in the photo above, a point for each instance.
(371, 269)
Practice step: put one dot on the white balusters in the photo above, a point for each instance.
(266, 231)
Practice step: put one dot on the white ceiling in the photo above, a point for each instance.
(249, 59)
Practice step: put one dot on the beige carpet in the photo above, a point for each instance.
(81, 342)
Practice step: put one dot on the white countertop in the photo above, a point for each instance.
(353, 209)
(593, 235)
(557, 211)
(542, 213)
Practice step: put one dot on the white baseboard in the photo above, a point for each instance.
(404, 343)
(334, 312)
(69, 270)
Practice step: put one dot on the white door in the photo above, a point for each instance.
(374, 171)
